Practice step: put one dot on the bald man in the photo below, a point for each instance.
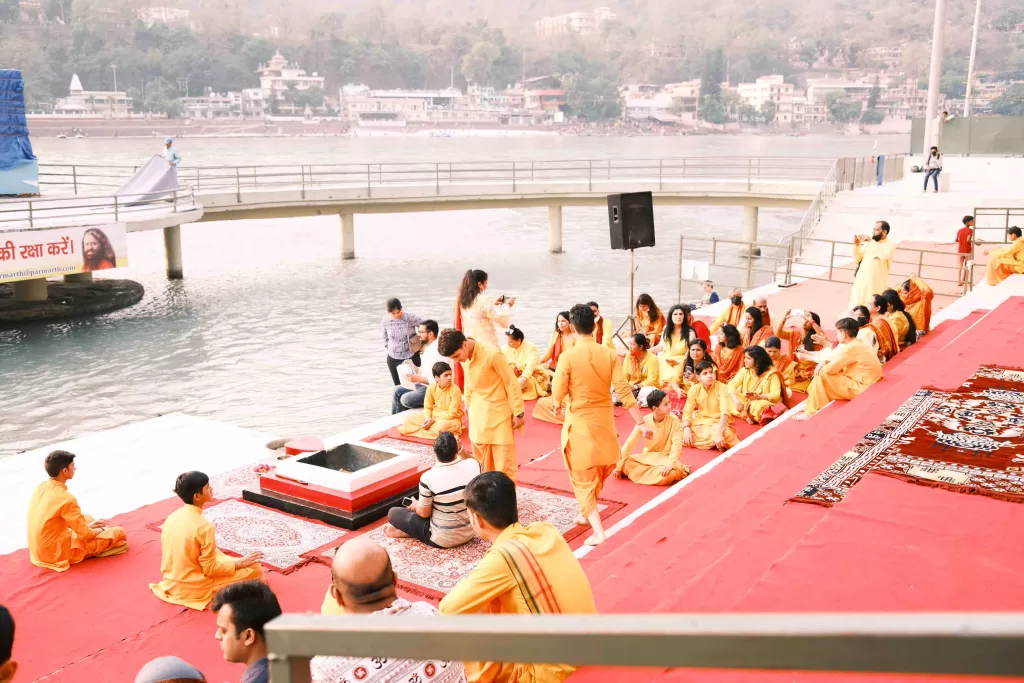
(363, 582)
(761, 304)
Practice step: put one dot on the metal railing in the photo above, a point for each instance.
(993, 222)
(41, 213)
(73, 179)
(940, 644)
(730, 263)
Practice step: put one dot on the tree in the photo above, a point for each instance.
(768, 111)
(593, 99)
(872, 116)
(746, 112)
(712, 110)
(477, 65)
(953, 86)
(713, 75)
(1011, 102)
(9, 10)
(876, 90)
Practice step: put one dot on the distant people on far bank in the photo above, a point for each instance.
(933, 168)
(170, 153)
(400, 336)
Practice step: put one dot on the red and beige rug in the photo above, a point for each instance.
(969, 440)
(439, 569)
(243, 528)
(231, 483)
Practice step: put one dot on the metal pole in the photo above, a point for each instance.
(437, 179)
(238, 185)
(679, 294)
(513, 177)
(74, 177)
(632, 273)
(970, 64)
(934, 76)
(590, 187)
(115, 207)
(831, 260)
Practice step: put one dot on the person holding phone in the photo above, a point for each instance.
(438, 517)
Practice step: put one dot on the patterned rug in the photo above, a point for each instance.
(969, 440)
(243, 528)
(419, 566)
(230, 484)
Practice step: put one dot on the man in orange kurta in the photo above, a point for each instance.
(851, 369)
(1003, 263)
(494, 400)
(192, 566)
(731, 314)
(59, 535)
(590, 444)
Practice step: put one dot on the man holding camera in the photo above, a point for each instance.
(874, 257)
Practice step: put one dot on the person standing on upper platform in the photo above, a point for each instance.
(874, 257)
(590, 443)
(59, 535)
(192, 566)
(494, 400)
(527, 570)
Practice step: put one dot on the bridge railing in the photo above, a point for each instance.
(991, 223)
(937, 644)
(76, 179)
(43, 213)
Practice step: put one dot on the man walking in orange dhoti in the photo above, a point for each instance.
(494, 400)
(590, 444)
(59, 535)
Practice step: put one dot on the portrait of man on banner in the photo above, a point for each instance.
(97, 251)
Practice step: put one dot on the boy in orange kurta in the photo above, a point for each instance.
(192, 566)
(442, 408)
(659, 463)
(59, 535)
(590, 444)
(493, 399)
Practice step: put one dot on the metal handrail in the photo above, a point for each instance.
(30, 212)
(1008, 216)
(926, 643)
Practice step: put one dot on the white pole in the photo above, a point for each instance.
(934, 74)
(970, 65)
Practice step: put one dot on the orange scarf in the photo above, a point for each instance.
(728, 361)
(760, 335)
(599, 332)
(556, 351)
(918, 303)
(887, 346)
(457, 374)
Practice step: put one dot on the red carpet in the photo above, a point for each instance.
(734, 544)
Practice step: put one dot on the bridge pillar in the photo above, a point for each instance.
(172, 252)
(555, 229)
(750, 228)
(78, 277)
(30, 290)
(348, 236)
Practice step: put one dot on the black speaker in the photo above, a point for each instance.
(631, 220)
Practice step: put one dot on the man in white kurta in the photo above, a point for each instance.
(874, 257)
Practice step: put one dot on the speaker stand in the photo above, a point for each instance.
(630, 320)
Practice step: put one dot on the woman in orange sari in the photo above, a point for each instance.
(561, 341)
(728, 355)
(887, 345)
(784, 365)
(753, 330)
(801, 339)
(649, 319)
(917, 297)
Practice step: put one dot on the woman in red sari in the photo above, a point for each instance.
(728, 355)
(754, 330)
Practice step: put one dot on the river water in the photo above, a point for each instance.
(271, 330)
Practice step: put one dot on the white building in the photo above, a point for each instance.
(819, 88)
(765, 89)
(164, 15)
(890, 56)
(278, 76)
(254, 105)
(103, 103)
(213, 105)
(580, 23)
(361, 106)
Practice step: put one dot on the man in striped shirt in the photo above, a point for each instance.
(439, 518)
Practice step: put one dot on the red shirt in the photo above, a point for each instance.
(963, 240)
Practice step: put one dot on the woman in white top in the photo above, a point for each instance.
(933, 168)
(477, 315)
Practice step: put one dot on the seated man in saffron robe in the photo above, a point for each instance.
(59, 535)
(1003, 263)
(707, 417)
(527, 570)
(442, 408)
(658, 464)
(852, 368)
(192, 566)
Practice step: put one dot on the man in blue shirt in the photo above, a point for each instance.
(243, 609)
(171, 154)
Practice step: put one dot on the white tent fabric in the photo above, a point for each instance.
(154, 180)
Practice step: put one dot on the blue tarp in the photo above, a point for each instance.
(15, 148)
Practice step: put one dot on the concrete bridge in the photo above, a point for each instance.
(81, 194)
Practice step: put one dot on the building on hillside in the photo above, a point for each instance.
(890, 56)
(213, 105)
(906, 100)
(549, 99)
(819, 88)
(765, 89)
(108, 104)
(798, 111)
(487, 97)
(579, 23)
(361, 106)
(278, 77)
(685, 95)
(171, 16)
(254, 105)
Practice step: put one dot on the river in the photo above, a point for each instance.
(270, 330)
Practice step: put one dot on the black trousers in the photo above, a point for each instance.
(408, 521)
(393, 364)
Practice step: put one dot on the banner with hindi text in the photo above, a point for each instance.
(31, 254)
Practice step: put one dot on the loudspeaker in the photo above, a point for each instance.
(631, 220)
